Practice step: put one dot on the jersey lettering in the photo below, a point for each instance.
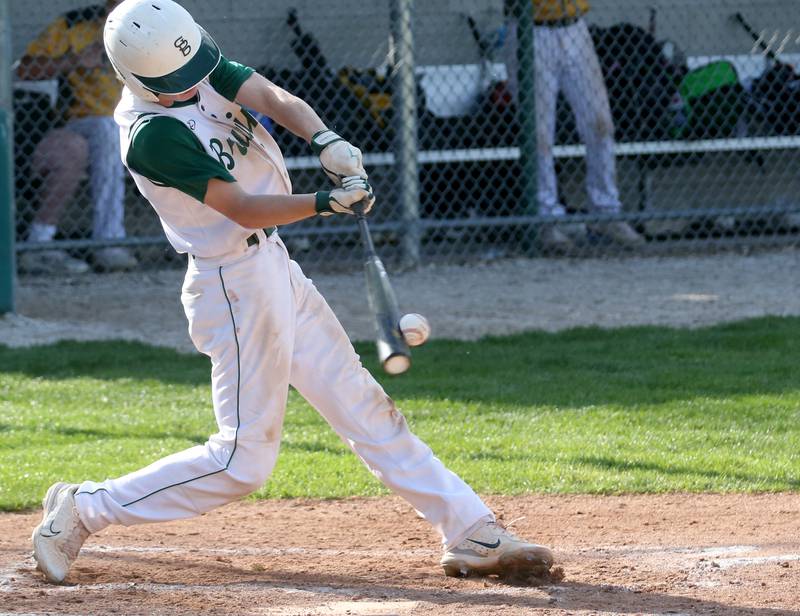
(241, 134)
(251, 122)
(240, 143)
(223, 157)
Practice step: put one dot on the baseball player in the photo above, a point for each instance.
(220, 187)
(565, 60)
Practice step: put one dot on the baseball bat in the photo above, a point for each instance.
(393, 352)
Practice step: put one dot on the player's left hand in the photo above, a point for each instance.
(339, 158)
(342, 200)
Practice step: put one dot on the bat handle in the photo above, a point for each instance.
(358, 208)
(366, 236)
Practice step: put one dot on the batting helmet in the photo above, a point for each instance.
(157, 48)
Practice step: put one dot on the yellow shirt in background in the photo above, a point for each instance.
(553, 10)
(95, 91)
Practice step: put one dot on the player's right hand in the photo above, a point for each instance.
(339, 159)
(354, 190)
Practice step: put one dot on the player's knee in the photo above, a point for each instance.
(63, 151)
(76, 147)
(382, 423)
(248, 472)
(241, 483)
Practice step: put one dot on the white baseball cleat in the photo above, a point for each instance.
(494, 550)
(59, 537)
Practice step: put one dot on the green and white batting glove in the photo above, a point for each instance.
(354, 190)
(339, 159)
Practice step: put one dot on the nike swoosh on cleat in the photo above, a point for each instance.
(491, 546)
(53, 532)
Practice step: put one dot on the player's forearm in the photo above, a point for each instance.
(282, 107)
(257, 211)
(296, 115)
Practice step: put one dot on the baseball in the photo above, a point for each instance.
(415, 328)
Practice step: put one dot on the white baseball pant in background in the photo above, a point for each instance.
(106, 174)
(265, 326)
(565, 60)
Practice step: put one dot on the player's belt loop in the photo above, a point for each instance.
(252, 240)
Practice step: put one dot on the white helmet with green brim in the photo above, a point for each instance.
(157, 48)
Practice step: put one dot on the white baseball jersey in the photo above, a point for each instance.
(228, 134)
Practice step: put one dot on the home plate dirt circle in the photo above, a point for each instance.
(663, 554)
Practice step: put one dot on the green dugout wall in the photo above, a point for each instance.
(7, 267)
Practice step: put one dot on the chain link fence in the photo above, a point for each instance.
(490, 128)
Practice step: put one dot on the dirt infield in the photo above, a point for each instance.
(666, 554)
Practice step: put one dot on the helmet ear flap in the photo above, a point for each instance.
(132, 83)
(140, 91)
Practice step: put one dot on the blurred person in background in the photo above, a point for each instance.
(71, 50)
(565, 61)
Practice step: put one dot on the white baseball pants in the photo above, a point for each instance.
(565, 61)
(265, 326)
(106, 174)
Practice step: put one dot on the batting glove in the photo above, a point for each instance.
(354, 190)
(339, 159)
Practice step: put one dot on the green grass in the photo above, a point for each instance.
(584, 411)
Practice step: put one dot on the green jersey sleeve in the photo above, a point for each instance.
(167, 152)
(228, 77)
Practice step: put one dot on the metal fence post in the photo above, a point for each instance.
(7, 264)
(526, 105)
(404, 103)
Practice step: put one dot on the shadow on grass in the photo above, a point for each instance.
(105, 360)
(94, 434)
(629, 367)
(614, 464)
